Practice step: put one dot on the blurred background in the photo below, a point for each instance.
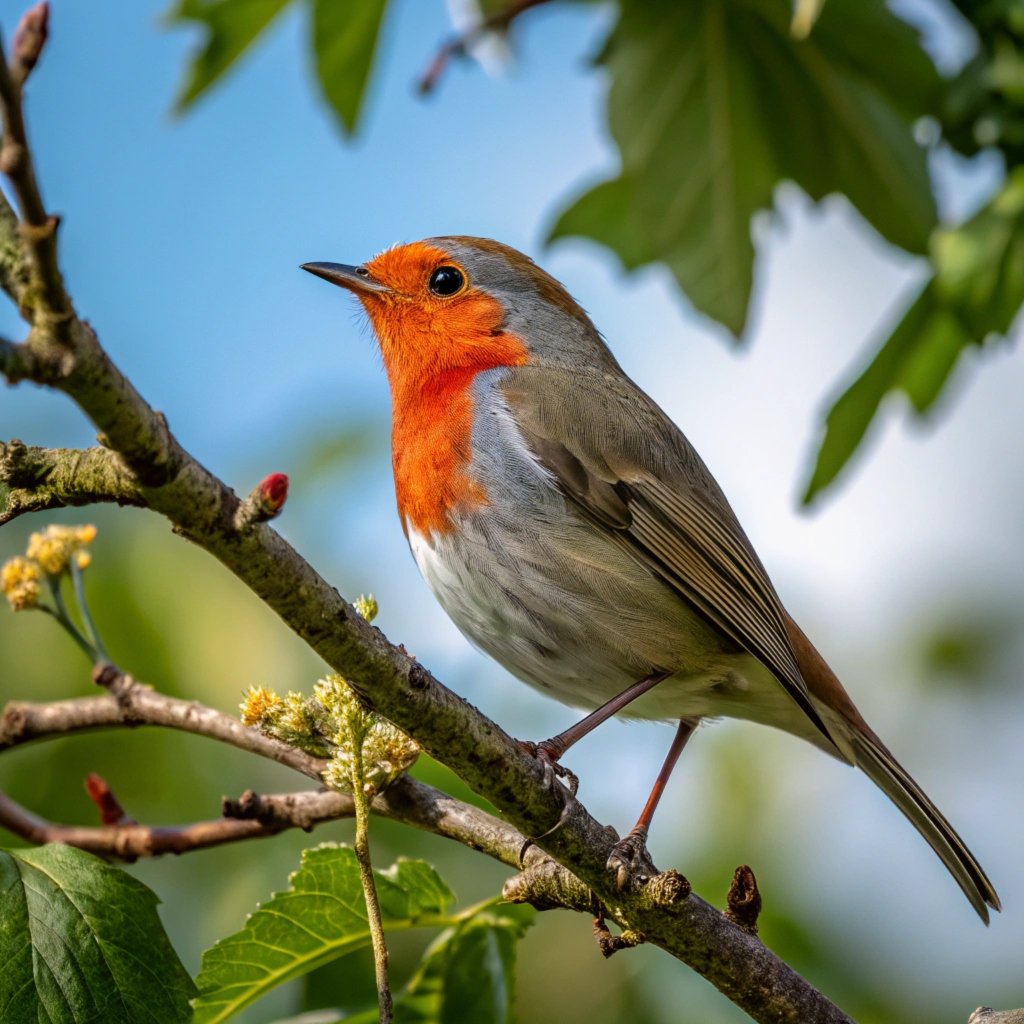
(181, 241)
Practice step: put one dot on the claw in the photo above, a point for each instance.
(630, 861)
(552, 769)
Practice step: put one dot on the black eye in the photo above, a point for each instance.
(446, 280)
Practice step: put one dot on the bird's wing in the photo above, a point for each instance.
(625, 465)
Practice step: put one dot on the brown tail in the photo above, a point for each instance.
(889, 775)
(869, 753)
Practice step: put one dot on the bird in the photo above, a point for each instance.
(572, 532)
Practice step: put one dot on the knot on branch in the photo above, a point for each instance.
(14, 463)
(291, 810)
(12, 724)
(118, 684)
(666, 889)
(744, 900)
(609, 944)
(986, 1015)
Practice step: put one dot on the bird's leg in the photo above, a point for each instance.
(549, 752)
(630, 852)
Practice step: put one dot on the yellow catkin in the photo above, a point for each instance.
(19, 580)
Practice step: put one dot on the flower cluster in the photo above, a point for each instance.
(19, 580)
(332, 723)
(50, 553)
(366, 606)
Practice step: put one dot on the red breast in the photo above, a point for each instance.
(433, 346)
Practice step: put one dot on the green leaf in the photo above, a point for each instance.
(321, 917)
(473, 967)
(713, 104)
(232, 26)
(467, 973)
(344, 42)
(973, 296)
(80, 940)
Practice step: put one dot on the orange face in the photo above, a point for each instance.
(425, 330)
(436, 333)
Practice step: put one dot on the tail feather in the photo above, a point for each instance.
(893, 779)
(858, 742)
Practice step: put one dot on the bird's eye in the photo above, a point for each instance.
(446, 280)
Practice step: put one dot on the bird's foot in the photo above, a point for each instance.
(630, 861)
(548, 757)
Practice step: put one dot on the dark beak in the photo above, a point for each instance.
(355, 279)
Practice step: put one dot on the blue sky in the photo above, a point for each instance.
(181, 243)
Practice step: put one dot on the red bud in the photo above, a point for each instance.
(273, 492)
(111, 812)
(29, 39)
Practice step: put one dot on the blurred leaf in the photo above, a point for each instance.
(231, 28)
(805, 14)
(964, 649)
(331, 447)
(344, 42)
(984, 103)
(713, 104)
(321, 917)
(81, 940)
(973, 296)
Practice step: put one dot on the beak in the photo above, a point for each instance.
(355, 279)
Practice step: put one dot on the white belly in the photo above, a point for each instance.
(584, 628)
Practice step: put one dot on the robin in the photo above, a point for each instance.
(572, 532)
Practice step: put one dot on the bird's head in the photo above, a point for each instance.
(466, 304)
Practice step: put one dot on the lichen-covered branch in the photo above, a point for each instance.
(42, 478)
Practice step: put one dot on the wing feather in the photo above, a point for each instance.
(659, 502)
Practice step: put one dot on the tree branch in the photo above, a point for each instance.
(131, 704)
(128, 842)
(43, 478)
(37, 230)
(66, 354)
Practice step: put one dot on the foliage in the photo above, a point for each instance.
(711, 106)
(344, 39)
(81, 940)
(323, 917)
(971, 298)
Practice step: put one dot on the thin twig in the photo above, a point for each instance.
(460, 44)
(128, 842)
(135, 704)
(37, 229)
(357, 727)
